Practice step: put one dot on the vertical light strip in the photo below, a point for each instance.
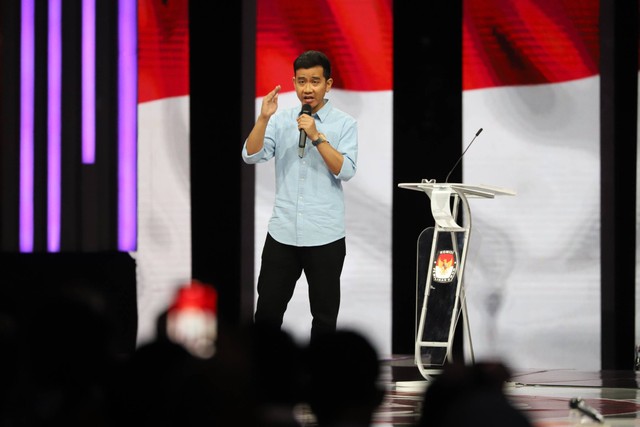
(88, 81)
(127, 124)
(27, 100)
(54, 125)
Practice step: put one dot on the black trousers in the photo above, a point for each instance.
(282, 266)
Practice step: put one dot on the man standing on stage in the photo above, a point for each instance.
(315, 149)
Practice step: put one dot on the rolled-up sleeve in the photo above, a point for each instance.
(348, 147)
(268, 148)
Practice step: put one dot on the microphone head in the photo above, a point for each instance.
(574, 403)
(306, 109)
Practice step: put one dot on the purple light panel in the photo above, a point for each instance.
(127, 118)
(27, 78)
(89, 81)
(127, 124)
(54, 123)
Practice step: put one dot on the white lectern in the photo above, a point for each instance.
(439, 283)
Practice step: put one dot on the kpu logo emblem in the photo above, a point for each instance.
(444, 267)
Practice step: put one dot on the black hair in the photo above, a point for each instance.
(313, 58)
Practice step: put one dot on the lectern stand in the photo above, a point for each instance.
(439, 283)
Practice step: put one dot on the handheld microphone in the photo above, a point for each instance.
(581, 406)
(462, 155)
(306, 109)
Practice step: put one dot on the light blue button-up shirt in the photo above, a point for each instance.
(309, 200)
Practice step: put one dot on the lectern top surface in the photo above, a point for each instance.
(481, 190)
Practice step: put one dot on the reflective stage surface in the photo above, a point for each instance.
(543, 396)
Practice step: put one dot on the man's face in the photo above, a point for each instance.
(311, 86)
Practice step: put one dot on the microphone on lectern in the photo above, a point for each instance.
(462, 155)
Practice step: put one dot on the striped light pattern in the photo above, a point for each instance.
(88, 81)
(127, 121)
(54, 125)
(27, 101)
(127, 125)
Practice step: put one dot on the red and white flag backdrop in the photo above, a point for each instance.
(163, 257)
(531, 81)
(357, 37)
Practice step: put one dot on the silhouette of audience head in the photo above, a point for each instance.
(170, 382)
(470, 395)
(343, 379)
(277, 375)
(192, 318)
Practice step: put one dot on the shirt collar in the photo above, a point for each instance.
(322, 113)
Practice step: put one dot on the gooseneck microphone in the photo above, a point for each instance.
(581, 406)
(306, 109)
(446, 181)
